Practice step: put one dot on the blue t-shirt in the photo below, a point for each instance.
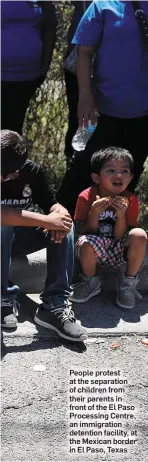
(21, 44)
(120, 81)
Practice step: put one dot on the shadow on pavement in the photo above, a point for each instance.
(41, 344)
(102, 311)
(42, 339)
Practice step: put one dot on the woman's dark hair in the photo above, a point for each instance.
(99, 158)
(13, 151)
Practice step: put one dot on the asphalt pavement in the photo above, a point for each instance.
(43, 403)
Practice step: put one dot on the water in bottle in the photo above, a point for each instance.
(82, 136)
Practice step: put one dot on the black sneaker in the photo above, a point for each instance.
(12, 288)
(62, 320)
(9, 312)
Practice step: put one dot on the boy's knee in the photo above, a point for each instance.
(86, 248)
(137, 235)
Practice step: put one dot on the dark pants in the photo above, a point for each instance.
(15, 97)
(130, 134)
(72, 93)
(18, 241)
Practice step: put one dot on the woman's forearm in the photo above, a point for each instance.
(86, 106)
(84, 68)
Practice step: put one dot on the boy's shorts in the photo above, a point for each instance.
(108, 251)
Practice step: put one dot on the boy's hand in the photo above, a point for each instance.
(100, 205)
(59, 222)
(57, 236)
(59, 208)
(120, 206)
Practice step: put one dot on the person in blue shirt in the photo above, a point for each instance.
(72, 91)
(117, 94)
(28, 33)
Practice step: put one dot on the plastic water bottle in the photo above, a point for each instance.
(82, 136)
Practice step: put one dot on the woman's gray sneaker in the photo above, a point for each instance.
(62, 320)
(126, 292)
(9, 312)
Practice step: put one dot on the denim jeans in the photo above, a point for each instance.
(19, 241)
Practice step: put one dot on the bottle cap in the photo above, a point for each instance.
(90, 127)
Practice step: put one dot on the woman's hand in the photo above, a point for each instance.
(87, 110)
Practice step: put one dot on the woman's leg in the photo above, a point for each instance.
(72, 93)
(15, 97)
(133, 136)
(78, 175)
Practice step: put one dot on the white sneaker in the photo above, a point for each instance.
(85, 289)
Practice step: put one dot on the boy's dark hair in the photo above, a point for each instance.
(13, 151)
(100, 157)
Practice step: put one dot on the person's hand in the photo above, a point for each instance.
(59, 222)
(87, 110)
(120, 205)
(57, 236)
(100, 205)
(59, 208)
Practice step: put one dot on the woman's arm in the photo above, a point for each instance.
(86, 105)
(49, 25)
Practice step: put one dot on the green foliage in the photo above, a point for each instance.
(142, 191)
(46, 123)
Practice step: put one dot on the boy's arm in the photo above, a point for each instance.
(92, 223)
(15, 217)
(120, 228)
(127, 215)
(91, 220)
(121, 225)
(53, 221)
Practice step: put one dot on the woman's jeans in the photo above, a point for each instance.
(19, 241)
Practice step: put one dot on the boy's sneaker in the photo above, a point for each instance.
(85, 289)
(9, 312)
(62, 320)
(126, 292)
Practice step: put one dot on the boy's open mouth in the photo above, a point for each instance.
(117, 183)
